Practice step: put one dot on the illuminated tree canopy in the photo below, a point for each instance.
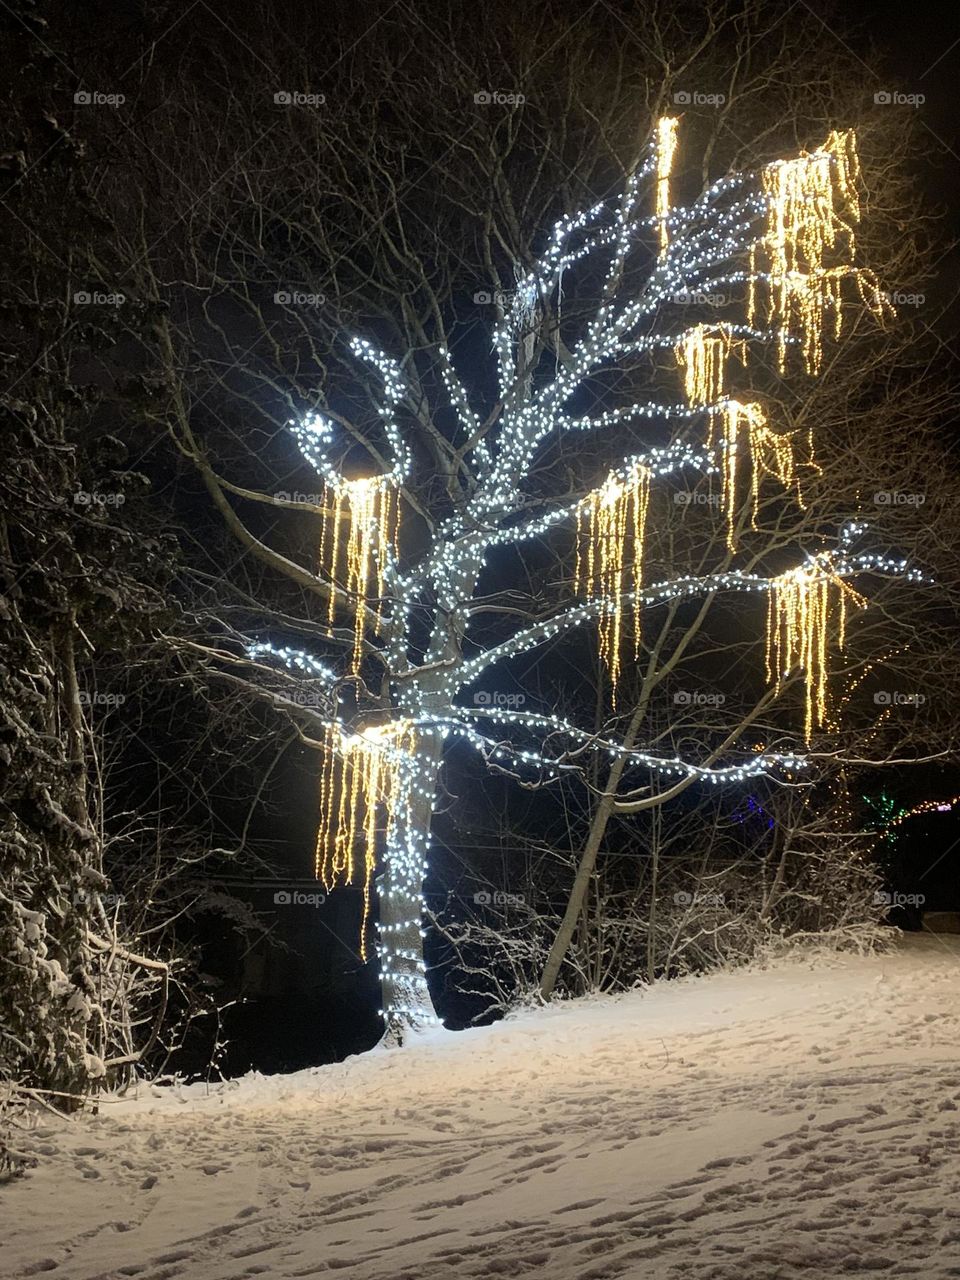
(783, 240)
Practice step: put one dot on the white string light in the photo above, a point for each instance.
(782, 238)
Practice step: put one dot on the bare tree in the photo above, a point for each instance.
(484, 456)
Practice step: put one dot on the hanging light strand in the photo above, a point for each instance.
(812, 208)
(362, 778)
(611, 526)
(371, 509)
(803, 603)
(770, 452)
(702, 352)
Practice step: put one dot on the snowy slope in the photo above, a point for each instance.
(797, 1122)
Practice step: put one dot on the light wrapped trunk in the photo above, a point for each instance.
(407, 1006)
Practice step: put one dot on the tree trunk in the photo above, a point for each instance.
(654, 878)
(406, 1002)
(588, 861)
(68, 946)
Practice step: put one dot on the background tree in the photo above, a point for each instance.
(76, 577)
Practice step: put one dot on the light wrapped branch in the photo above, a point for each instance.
(783, 237)
(499, 751)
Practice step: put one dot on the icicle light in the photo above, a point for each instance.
(371, 509)
(771, 453)
(361, 777)
(666, 149)
(611, 525)
(812, 207)
(803, 604)
(702, 352)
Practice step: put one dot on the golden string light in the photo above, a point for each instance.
(666, 149)
(371, 507)
(802, 605)
(361, 778)
(771, 453)
(926, 806)
(611, 524)
(812, 207)
(702, 352)
(806, 252)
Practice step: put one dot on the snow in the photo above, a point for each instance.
(797, 1121)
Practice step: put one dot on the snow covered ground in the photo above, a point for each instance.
(801, 1121)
